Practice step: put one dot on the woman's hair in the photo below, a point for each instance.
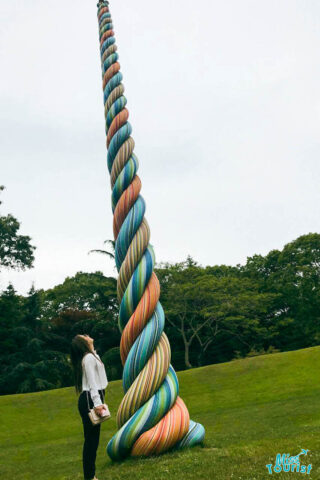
(79, 348)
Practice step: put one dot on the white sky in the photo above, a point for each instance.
(224, 101)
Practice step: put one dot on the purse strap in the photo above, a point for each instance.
(89, 387)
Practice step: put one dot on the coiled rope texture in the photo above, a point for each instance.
(151, 418)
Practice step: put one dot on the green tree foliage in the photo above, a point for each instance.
(36, 331)
(112, 359)
(109, 253)
(85, 303)
(209, 306)
(294, 273)
(15, 250)
(84, 291)
(26, 363)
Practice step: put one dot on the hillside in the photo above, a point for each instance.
(251, 409)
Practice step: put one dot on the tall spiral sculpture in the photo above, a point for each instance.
(151, 418)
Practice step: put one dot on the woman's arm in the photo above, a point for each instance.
(89, 365)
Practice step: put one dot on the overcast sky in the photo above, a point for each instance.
(224, 102)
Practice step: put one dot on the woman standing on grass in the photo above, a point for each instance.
(90, 379)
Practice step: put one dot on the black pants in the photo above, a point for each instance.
(91, 435)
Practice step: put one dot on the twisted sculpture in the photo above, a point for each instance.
(151, 418)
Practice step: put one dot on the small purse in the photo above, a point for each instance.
(94, 417)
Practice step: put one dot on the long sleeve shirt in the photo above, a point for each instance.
(94, 377)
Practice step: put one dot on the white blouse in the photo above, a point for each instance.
(94, 377)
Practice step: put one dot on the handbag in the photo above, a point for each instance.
(94, 417)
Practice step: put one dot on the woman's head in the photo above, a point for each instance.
(80, 346)
(84, 339)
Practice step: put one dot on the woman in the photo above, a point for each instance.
(90, 382)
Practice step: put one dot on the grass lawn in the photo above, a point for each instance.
(251, 409)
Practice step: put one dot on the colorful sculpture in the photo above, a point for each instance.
(151, 418)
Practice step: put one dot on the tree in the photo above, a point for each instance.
(294, 273)
(242, 318)
(10, 319)
(84, 291)
(32, 309)
(15, 250)
(28, 362)
(85, 303)
(110, 254)
(207, 305)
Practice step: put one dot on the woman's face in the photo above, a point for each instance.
(88, 339)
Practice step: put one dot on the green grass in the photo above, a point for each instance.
(251, 409)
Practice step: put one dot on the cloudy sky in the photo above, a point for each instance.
(224, 101)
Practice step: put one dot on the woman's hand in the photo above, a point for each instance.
(99, 409)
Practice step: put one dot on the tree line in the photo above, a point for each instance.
(213, 313)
